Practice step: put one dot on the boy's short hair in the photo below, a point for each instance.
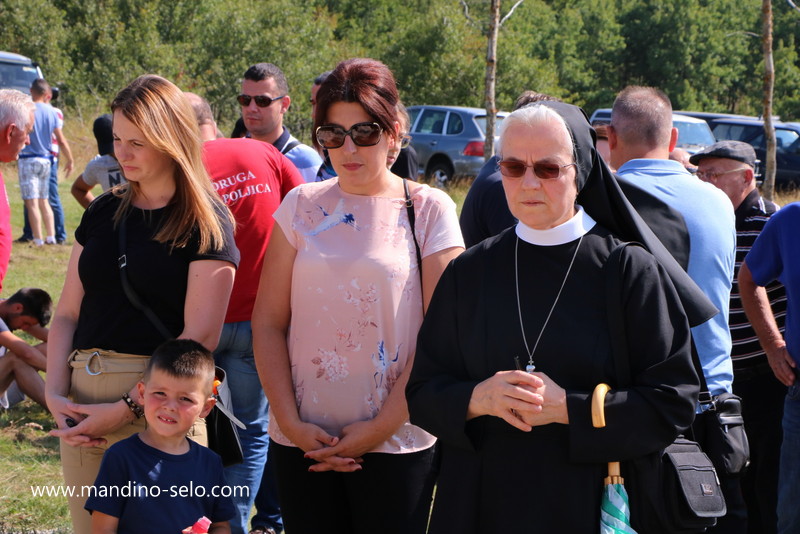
(35, 303)
(183, 358)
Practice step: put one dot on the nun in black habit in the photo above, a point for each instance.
(519, 453)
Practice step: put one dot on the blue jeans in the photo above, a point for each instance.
(55, 205)
(789, 477)
(235, 355)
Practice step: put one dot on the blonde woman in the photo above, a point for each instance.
(179, 258)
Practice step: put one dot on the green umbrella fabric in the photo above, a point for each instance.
(615, 514)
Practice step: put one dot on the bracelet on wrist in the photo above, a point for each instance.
(137, 410)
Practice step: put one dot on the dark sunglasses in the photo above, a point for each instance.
(362, 134)
(545, 171)
(261, 100)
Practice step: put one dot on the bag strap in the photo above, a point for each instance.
(288, 146)
(411, 220)
(619, 345)
(137, 302)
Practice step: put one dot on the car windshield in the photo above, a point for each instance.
(481, 122)
(17, 76)
(694, 134)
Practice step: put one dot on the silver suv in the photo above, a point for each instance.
(449, 140)
(17, 72)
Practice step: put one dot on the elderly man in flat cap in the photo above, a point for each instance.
(730, 166)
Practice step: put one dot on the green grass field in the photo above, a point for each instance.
(28, 456)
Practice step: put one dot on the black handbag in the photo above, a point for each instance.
(222, 435)
(674, 490)
(223, 438)
(725, 439)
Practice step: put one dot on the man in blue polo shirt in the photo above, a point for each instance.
(640, 137)
(34, 164)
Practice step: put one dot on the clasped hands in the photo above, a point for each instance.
(93, 420)
(522, 399)
(336, 453)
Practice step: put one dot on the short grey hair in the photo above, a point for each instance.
(533, 115)
(642, 116)
(15, 108)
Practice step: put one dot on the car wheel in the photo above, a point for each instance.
(440, 173)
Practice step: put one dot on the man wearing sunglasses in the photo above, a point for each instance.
(264, 100)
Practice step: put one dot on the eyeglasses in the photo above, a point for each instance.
(545, 171)
(261, 100)
(710, 176)
(362, 134)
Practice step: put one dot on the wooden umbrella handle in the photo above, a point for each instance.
(598, 405)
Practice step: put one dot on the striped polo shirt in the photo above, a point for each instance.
(751, 216)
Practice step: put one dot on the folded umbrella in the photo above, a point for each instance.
(615, 512)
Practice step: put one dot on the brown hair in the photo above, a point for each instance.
(531, 97)
(183, 358)
(160, 110)
(364, 81)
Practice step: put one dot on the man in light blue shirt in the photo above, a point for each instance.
(641, 136)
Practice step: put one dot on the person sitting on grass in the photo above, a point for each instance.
(171, 479)
(28, 310)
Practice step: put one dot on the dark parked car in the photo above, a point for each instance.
(449, 140)
(709, 116)
(787, 140)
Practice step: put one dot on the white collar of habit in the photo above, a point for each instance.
(578, 225)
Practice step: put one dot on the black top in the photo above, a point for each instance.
(495, 478)
(159, 276)
(485, 211)
(407, 164)
(666, 222)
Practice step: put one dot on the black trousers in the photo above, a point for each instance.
(390, 494)
(762, 408)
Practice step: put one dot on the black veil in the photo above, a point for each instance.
(600, 195)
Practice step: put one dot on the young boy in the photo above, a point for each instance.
(159, 481)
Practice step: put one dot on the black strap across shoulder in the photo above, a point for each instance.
(288, 146)
(126, 285)
(411, 221)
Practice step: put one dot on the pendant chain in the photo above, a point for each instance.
(531, 367)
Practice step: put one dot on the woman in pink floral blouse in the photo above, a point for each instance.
(340, 303)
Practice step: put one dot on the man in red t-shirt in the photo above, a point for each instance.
(16, 124)
(252, 177)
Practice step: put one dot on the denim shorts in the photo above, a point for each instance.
(34, 175)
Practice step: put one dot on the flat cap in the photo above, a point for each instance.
(727, 149)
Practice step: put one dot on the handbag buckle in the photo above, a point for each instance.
(92, 356)
(705, 399)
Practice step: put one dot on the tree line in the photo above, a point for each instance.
(705, 54)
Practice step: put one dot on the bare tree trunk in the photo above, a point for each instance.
(491, 74)
(768, 186)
